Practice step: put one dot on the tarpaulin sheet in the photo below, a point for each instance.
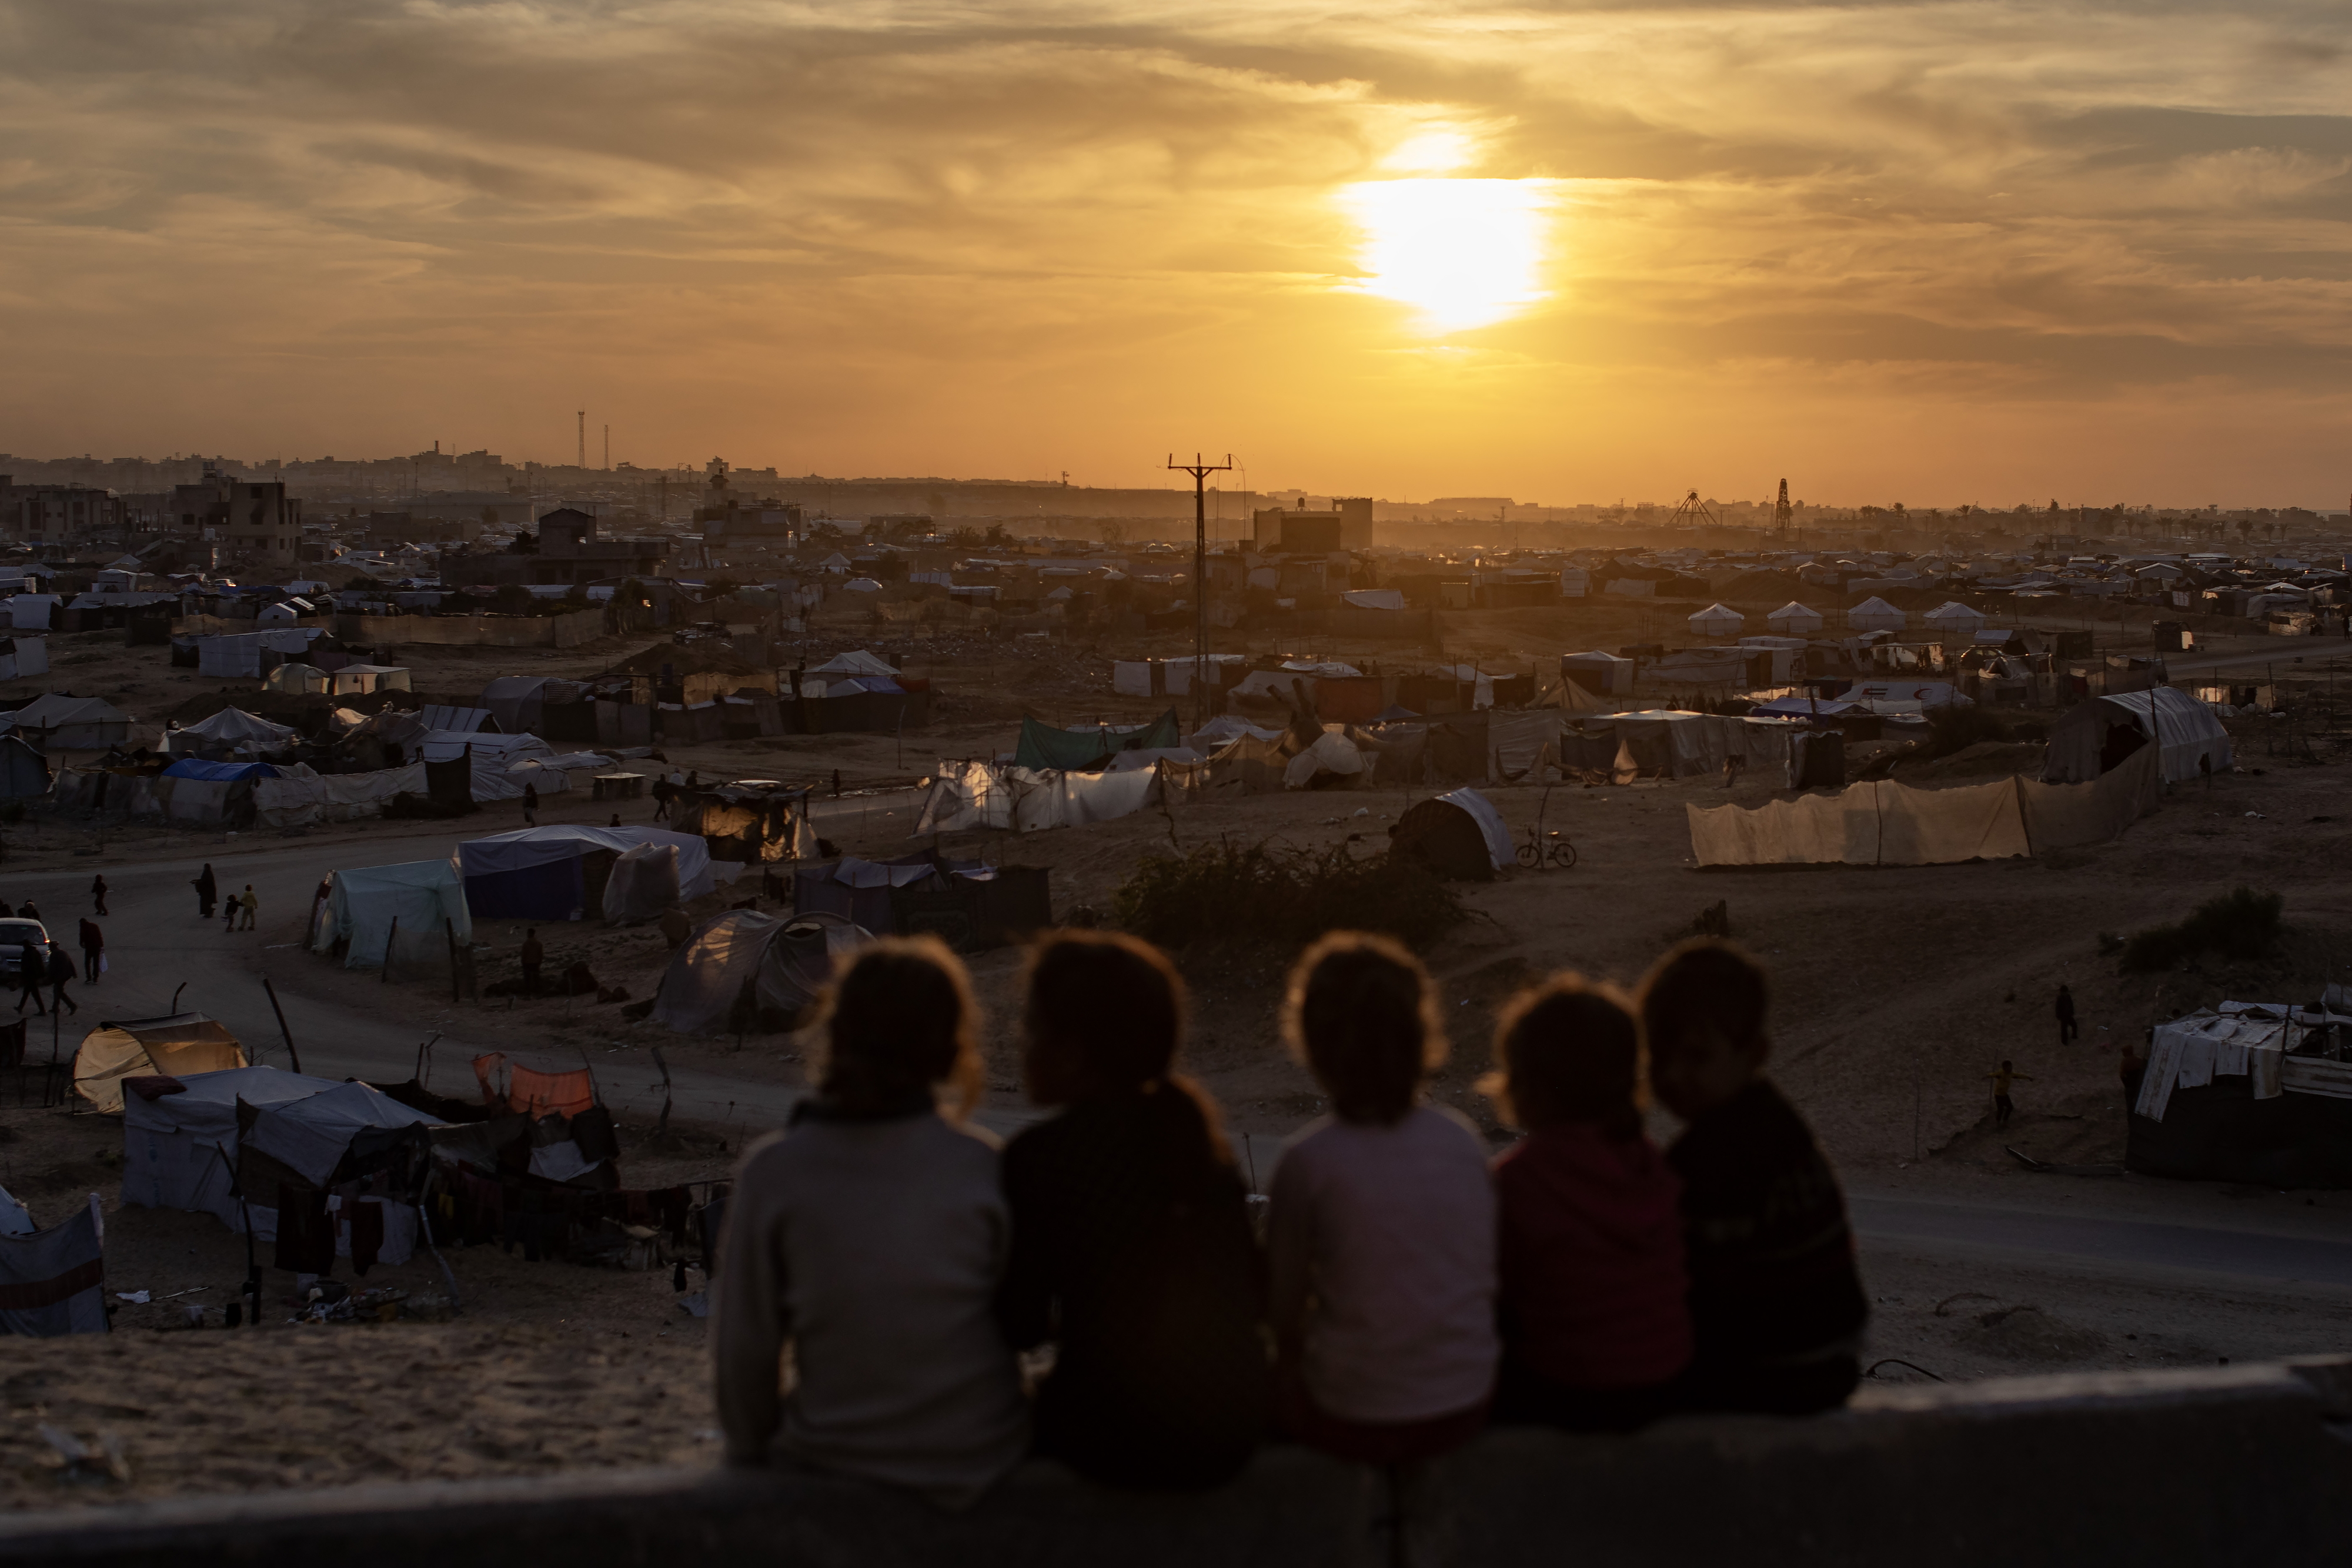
(1879, 822)
(425, 897)
(1333, 757)
(1518, 740)
(1043, 746)
(526, 847)
(218, 772)
(2184, 730)
(333, 797)
(53, 1282)
(988, 795)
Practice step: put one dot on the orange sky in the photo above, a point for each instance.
(1929, 252)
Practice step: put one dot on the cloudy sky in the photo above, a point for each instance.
(1931, 252)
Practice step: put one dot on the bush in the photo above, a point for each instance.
(2243, 924)
(1285, 897)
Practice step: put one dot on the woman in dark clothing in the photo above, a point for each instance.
(1131, 1241)
(207, 891)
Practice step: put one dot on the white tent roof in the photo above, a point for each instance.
(234, 726)
(1874, 614)
(56, 710)
(1795, 617)
(860, 663)
(528, 847)
(2183, 728)
(1718, 621)
(364, 902)
(1499, 848)
(505, 750)
(862, 585)
(1954, 613)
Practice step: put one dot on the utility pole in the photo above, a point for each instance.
(608, 449)
(1201, 472)
(583, 417)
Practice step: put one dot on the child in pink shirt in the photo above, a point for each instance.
(1596, 1326)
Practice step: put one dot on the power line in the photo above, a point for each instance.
(1201, 472)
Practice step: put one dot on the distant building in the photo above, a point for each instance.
(253, 520)
(1348, 526)
(54, 516)
(565, 551)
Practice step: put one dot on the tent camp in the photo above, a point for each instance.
(424, 899)
(1874, 614)
(230, 732)
(1457, 834)
(519, 703)
(1604, 674)
(1716, 620)
(561, 871)
(1043, 746)
(1954, 618)
(1794, 620)
(131, 1047)
(2247, 1091)
(57, 721)
(2101, 732)
(785, 962)
(181, 1148)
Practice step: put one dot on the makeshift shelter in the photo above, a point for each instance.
(53, 1281)
(859, 662)
(21, 657)
(58, 721)
(297, 679)
(751, 820)
(1332, 762)
(404, 917)
(1954, 618)
(777, 963)
(519, 703)
(230, 731)
(30, 611)
(1604, 675)
(1874, 614)
(176, 1045)
(2100, 733)
(2247, 1091)
(1716, 620)
(364, 680)
(968, 905)
(235, 1144)
(1043, 746)
(561, 871)
(1458, 834)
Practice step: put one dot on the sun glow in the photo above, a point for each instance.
(1464, 253)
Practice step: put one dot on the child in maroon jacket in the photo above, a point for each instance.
(1596, 1325)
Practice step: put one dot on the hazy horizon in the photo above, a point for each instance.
(1987, 252)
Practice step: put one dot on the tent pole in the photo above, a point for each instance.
(291, 1054)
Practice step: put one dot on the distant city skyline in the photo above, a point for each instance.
(1965, 250)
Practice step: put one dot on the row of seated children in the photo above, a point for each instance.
(1409, 1291)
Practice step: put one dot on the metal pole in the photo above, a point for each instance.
(291, 1054)
(1200, 471)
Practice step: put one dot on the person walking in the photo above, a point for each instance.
(2067, 1030)
(530, 805)
(32, 969)
(29, 910)
(661, 798)
(229, 908)
(532, 957)
(61, 974)
(93, 951)
(97, 895)
(2003, 1107)
(252, 905)
(207, 890)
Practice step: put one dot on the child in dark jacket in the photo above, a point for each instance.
(1777, 1306)
(1596, 1327)
(1131, 1243)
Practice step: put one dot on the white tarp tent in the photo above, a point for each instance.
(2098, 732)
(787, 961)
(30, 611)
(425, 900)
(1874, 614)
(22, 656)
(1794, 620)
(1604, 674)
(1716, 620)
(1373, 598)
(1955, 618)
(1334, 754)
(232, 729)
(292, 801)
(239, 654)
(180, 1150)
(528, 849)
(60, 722)
(2248, 1039)
(1499, 848)
(999, 795)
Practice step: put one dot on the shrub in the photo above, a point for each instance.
(2242, 924)
(1253, 893)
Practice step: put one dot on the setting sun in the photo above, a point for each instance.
(1464, 253)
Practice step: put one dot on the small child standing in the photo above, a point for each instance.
(2003, 1107)
(1381, 1232)
(1596, 1323)
(1777, 1306)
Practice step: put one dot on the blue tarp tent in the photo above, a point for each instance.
(545, 874)
(218, 772)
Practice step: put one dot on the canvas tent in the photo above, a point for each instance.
(1874, 614)
(519, 703)
(176, 1045)
(784, 962)
(57, 721)
(298, 678)
(181, 1148)
(1457, 834)
(230, 731)
(1605, 675)
(859, 662)
(22, 656)
(1794, 620)
(561, 871)
(415, 908)
(2101, 732)
(1954, 618)
(1716, 620)
(53, 1281)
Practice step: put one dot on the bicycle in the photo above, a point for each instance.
(1547, 850)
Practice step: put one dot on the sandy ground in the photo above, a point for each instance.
(1898, 992)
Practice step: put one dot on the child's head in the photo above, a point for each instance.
(899, 1021)
(2005, 1066)
(1703, 1016)
(1568, 1051)
(1361, 1013)
(1104, 1015)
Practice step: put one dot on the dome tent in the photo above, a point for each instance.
(1874, 614)
(783, 962)
(1718, 621)
(1458, 834)
(1794, 620)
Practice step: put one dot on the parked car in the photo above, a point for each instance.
(14, 932)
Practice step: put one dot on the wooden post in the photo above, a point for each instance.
(449, 929)
(291, 1054)
(389, 938)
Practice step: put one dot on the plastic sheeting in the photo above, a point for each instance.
(787, 962)
(642, 885)
(177, 1044)
(230, 729)
(1044, 748)
(425, 897)
(991, 795)
(1882, 823)
(1671, 743)
(2189, 1052)
(332, 796)
(2183, 728)
(1331, 760)
(527, 850)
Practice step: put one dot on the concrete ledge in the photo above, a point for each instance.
(2249, 1464)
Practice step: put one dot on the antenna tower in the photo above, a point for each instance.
(608, 447)
(1783, 521)
(583, 417)
(1694, 512)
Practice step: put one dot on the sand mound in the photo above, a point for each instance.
(2028, 1333)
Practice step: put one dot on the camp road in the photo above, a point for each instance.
(156, 945)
